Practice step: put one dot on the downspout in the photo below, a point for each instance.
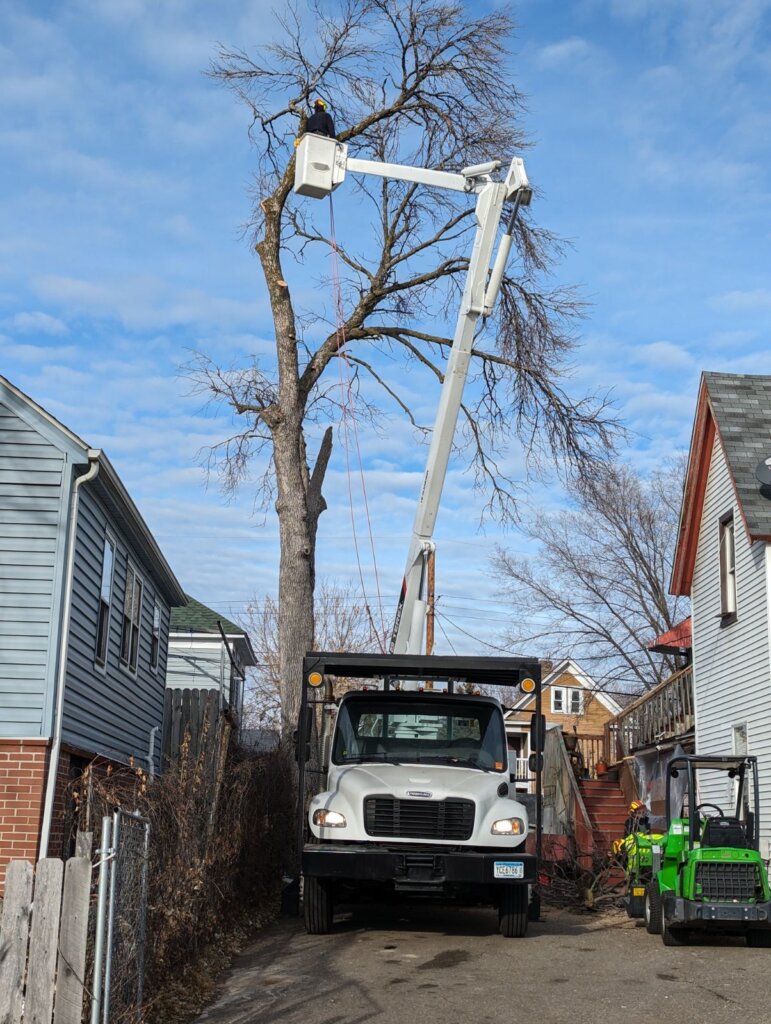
(64, 642)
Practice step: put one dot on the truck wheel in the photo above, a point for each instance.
(672, 936)
(759, 938)
(318, 906)
(652, 908)
(512, 915)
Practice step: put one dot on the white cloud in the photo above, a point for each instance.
(664, 355)
(566, 52)
(755, 300)
(35, 323)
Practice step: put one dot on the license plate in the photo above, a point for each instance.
(636, 891)
(508, 869)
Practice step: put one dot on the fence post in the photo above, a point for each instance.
(13, 938)
(105, 852)
(111, 919)
(43, 941)
(73, 936)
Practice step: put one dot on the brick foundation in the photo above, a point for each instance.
(22, 787)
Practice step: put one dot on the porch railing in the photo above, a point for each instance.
(664, 713)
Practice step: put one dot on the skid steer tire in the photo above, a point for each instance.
(672, 936)
(652, 910)
(318, 906)
(512, 914)
(758, 938)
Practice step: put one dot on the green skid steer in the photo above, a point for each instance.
(708, 874)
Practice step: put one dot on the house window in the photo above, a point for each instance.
(155, 643)
(727, 569)
(105, 598)
(132, 614)
(566, 700)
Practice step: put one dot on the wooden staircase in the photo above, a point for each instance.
(607, 810)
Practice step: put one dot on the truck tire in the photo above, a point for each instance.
(652, 912)
(759, 938)
(512, 914)
(318, 906)
(672, 936)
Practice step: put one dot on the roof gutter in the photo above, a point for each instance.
(64, 641)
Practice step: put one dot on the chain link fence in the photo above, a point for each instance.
(121, 920)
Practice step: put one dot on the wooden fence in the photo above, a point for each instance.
(664, 713)
(190, 723)
(43, 938)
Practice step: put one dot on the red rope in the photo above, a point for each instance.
(348, 413)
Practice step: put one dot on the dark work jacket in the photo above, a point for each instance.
(637, 823)
(321, 123)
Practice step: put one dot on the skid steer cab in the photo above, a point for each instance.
(417, 799)
(708, 874)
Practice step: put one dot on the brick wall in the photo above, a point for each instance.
(22, 786)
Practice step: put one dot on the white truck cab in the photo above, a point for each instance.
(418, 799)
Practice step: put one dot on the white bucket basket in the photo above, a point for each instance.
(319, 166)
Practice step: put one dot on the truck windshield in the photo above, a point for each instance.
(431, 732)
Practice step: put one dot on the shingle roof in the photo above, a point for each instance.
(741, 405)
(195, 617)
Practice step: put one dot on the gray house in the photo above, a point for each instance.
(85, 599)
(209, 652)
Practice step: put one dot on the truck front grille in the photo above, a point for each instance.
(418, 819)
(724, 882)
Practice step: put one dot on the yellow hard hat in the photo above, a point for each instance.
(320, 103)
(636, 805)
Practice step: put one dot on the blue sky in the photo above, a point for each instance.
(123, 187)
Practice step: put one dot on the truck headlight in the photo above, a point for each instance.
(329, 819)
(508, 827)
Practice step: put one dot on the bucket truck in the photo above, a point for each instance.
(418, 799)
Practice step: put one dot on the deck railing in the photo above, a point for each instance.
(664, 713)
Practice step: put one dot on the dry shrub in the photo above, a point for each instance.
(219, 843)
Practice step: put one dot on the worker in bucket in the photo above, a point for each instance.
(320, 122)
(638, 820)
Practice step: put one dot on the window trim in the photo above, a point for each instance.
(567, 700)
(124, 664)
(728, 607)
(156, 649)
(101, 665)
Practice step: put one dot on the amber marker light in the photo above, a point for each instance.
(315, 679)
(527, 685)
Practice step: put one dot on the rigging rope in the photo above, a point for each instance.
(347, 413)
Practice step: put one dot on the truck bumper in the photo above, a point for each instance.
(414, 866)
(690, 914)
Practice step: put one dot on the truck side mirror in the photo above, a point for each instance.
(537, 732)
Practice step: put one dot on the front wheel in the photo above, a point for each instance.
(318, 906)
(512, 914)
(672, 936)
(653, 916)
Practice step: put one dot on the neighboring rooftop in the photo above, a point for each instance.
(195, 617)
(742, 408)
(677, 640)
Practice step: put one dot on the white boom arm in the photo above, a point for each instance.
(321, 166)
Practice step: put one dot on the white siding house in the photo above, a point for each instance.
(723, 562)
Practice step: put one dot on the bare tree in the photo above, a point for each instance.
(597, 587)
(424, 83)
(342, 623)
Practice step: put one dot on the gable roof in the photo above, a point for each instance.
(569, 667)
(736, 408)
(196, 617)
(107, 484)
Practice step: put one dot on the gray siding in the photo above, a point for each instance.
(32, 543)
(108, 710)
(732, 674)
